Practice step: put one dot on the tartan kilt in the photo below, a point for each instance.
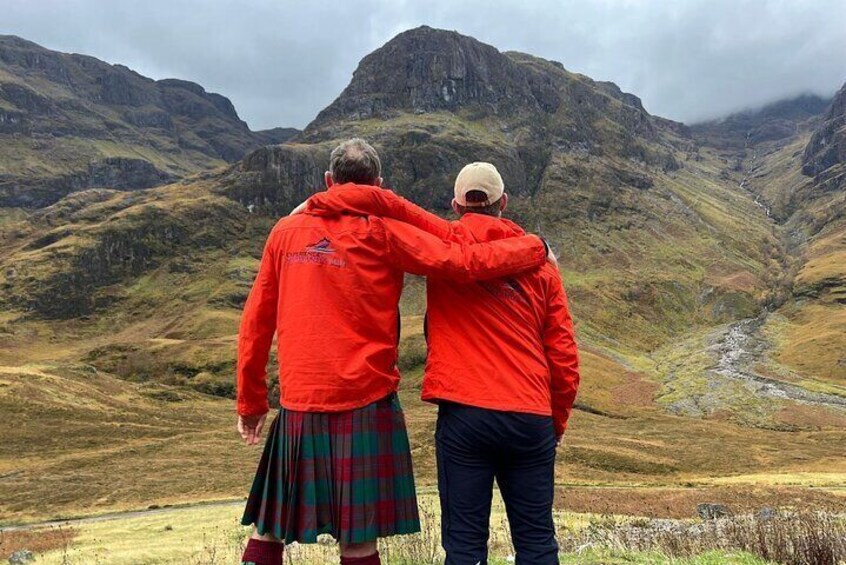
(347, 474)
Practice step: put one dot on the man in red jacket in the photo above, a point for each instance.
(503, 367)
(337, 458)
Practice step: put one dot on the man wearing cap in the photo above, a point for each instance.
(502, 366)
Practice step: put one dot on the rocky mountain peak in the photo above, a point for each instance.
(425, 69)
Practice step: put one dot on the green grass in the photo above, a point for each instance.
(212, 535)
(613, 557)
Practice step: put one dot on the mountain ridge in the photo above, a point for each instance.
(105, 126)
(661, 234)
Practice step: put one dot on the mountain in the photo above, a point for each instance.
(703, 267)
(618, 189)
(774, 122)
(71, 122)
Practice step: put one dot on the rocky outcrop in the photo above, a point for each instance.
(67, 266)
(117, 173)
(276, 178)
(426, 70)
(825, 155)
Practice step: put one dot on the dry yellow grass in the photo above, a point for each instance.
(811, 340)
(80, 443)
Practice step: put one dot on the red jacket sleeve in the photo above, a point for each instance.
(379, 202)
(255, 336)
(562, 355)
(420, 253)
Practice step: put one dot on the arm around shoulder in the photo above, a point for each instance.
(374, 201)
(421, 253)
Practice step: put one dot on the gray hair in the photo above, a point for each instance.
(355, 161)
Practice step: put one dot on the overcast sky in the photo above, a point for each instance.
(281, 61)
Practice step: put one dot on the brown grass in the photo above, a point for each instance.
(78, 442)
(680, 503)
(68, 432)
(36, 541)
(799, 415)
(807, 538)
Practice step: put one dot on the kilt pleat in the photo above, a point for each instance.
(347, 474)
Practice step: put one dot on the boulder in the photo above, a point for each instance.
(709, 511)
(21, 557)
(766, 513)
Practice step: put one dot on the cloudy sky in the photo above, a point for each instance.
(281, 61)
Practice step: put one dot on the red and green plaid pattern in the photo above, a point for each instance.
(347, 474)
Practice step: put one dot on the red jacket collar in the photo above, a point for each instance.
(349, 185)
(489, 228)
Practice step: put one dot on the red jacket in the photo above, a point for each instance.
(505, 344)
(329, 288)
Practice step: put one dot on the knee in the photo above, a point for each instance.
(358, 549)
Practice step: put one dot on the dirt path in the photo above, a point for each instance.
(120, 515)
(239, 502)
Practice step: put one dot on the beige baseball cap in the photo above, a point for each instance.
(478, 176)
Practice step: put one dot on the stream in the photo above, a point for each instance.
(741, 346)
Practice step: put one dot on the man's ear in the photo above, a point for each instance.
(503, 203)
(379, 181)
(455, 207)
(327, 178)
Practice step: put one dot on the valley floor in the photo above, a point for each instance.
(78, 442)
(212, 535)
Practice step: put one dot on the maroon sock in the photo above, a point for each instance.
(369, 560)
(263, 552)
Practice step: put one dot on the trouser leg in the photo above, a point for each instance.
(526, 479)
(465, 485)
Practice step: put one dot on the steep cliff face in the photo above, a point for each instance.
(428, 70)
(71, 122)
(276, 178)
(825, 155)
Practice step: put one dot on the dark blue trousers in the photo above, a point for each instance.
(476, 446)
